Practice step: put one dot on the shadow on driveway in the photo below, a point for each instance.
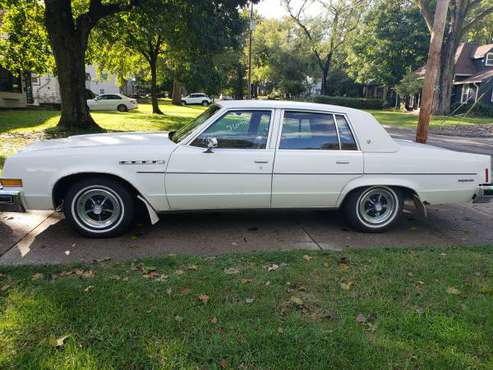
(53, 241)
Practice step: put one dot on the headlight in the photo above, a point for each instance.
(11, 183)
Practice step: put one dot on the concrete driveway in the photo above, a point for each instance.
(43, 237)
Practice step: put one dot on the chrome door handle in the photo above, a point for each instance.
(343, 162)
(261, 162)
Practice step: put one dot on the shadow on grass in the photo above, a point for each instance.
(25, 118)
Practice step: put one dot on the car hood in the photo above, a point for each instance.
(105, 140)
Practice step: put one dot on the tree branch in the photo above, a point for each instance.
(478, 18)
(426, 12)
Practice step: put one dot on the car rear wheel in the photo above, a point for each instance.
(373, 209)
(122, 108)
(205, 103)
(99, 207)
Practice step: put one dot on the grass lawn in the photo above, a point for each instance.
(400, 119)
(374, 309)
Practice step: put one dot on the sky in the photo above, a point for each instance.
(274, 9)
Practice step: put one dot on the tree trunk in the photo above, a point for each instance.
(445, 80)
(324, 89)
(69, 47)
(154, 101)
(176, 96)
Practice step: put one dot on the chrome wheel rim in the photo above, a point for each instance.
(377, 206)
(98, 208)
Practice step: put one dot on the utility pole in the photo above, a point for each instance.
(432, 68)
(250, 26)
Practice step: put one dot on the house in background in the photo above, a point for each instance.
(12, 92)
(473, 79)
(46, 90)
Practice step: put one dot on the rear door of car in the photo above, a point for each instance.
(317, 156)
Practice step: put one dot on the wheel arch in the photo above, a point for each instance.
(408, 189)
(62, 185)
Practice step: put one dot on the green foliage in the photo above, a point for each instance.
(24, 45)
(358, 103)
(409, 85)
(392, 39)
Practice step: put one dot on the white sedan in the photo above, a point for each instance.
(117, 102)
(197, 98)
(243, 155)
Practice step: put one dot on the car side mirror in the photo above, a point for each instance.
(211, 144)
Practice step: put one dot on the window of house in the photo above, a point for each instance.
(488, 61)
(468, 94)
(238, 130)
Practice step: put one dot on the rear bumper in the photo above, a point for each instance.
(484, 194)
(11, 201)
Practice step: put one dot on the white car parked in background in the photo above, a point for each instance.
(197, 98)
(243, 154)
(117, 102)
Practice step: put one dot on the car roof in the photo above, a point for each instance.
(282, 104)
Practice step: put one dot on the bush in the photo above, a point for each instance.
(358, 103)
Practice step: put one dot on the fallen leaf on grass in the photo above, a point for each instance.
(274, 267)
(361, 318)
(307, 257)
(193, 267)
(419, 282)
(231, 271)
(213, 320)
(37, 276)
(223, 364)
(420, 310)
(104, 259)
(246, 281)
(179, 272)
(249, 300)
(89, 288)
(347, 286)
(5, 288)
(296, 300)
(452, 290)
(168, 291)
(178, 318)
(60, 342)
(204, 298)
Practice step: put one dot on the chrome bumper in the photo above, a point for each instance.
(11, 201)
(484, 194)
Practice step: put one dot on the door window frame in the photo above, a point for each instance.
(220, 114)
(334, 114)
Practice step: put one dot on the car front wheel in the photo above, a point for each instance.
(373, 209)
(99, 207)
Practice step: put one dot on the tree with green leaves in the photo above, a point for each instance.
(391, 40)
(463, 17)
(328, 32)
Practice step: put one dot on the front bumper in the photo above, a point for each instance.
(484, 194)
(11, 201)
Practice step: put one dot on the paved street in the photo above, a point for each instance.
(43, 237)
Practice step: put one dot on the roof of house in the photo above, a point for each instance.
(465, 64)
(479, 77)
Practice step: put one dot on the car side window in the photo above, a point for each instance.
(345, 134)
(243, 129)
(113, 97)
(309, 131)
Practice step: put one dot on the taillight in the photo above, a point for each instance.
(486, 175)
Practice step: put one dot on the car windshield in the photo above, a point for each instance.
(184, 131)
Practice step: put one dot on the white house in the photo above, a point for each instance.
(46, 90)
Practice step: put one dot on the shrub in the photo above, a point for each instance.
(358, 103)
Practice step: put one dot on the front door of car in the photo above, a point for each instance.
(236, 174)
(317, 156)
